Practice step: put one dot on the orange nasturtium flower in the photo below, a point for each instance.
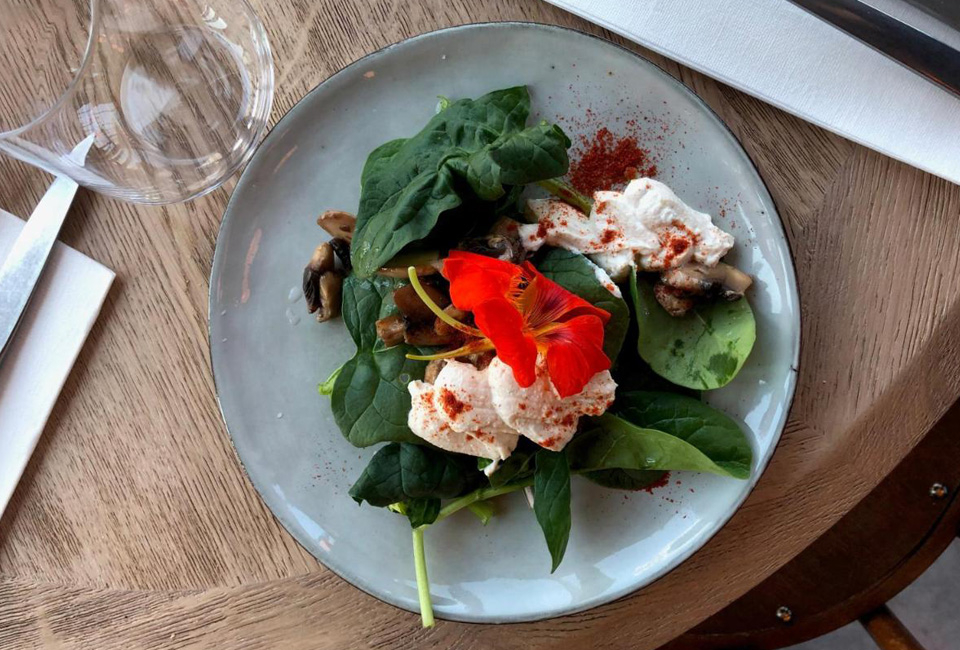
(521, 314)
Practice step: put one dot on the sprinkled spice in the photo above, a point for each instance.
(608, 161)
(659, 483)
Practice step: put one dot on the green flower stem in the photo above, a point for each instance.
(480, 495)
(423, 583)
(566, 193)
(435, 308)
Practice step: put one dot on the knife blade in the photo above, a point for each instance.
(24, 264)
(932, 59)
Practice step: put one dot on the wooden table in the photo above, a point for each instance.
(135, 527)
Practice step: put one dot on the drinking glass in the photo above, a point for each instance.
(170, 96)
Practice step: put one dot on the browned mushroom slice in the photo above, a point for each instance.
(697, 279)
(331, 288)
(342, 249)
(501, 247)
(338, 223)
(391, 329)
(442, 328)
(674, 301)
(320, 262)
(433, 369)
(401, 271)
(410, 304)
(423, 334)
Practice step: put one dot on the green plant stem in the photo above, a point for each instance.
(566, 193)
(480, 495)
(423, 583)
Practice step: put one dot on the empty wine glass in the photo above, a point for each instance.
(172, 95)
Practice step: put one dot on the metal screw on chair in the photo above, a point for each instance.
(784, 614)
(938, 490)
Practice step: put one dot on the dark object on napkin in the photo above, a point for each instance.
(925, 55)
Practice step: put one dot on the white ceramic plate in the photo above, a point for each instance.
(268, 356)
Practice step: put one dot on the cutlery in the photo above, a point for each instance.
(923, 54)
(24, 265)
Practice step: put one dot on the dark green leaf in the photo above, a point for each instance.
(408, 184)
(551, 502)
(623, 479)
(610, 442)
(704, 349)
(576, 274)
(400, 473)
(706, 428)
(518, 466)
(370, 400)
(422, 512)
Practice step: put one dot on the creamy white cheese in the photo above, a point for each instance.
(646, 225)
(483, 412)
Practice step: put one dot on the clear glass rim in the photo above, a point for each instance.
(68, 91)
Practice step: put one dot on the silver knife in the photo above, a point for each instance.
(24, 265)
(921, 53)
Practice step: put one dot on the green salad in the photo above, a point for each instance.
(512, 332)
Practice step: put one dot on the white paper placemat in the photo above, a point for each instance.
(779, 53)
(57, 322)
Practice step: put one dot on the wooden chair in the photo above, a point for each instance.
(849, 574)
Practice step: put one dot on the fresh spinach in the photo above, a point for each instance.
(407, 184)
(551, 502)
(704, 349)
(623, 479)
(423, 512)
(706, 428)
(610, 442)
(370, 400)
(401, 473)
(576, 274)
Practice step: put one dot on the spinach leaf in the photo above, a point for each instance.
(423, 512)
(518, 465)
(704, 349)
(706, 428)
(610, 442)
(551, 502)
(623, 479)
(407, 184)
(400, 473)
(576, 274)
(370, 400)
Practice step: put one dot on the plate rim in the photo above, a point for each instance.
(791, 279)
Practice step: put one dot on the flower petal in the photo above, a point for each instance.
(475, 279)
(574, 352)
(500, 321)
(544, 301)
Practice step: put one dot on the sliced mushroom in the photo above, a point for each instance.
(424, 334)
(342, 249)
(410, 304)
(331, 288)
(338, 223)
(442, 328)
(697, 279)
(674, 301)
(501, 247)
(320, 262)
(433, 369)
(422, 270)
(391, 329)
(481, 359)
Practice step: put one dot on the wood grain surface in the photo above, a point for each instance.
(135, 527)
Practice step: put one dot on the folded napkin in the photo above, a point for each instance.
(54, 327)
(781, 54)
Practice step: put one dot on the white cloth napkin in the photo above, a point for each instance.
(57, 322)
(781, 54)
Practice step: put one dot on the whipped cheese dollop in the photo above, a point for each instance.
(646, 225)
(484, 412)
